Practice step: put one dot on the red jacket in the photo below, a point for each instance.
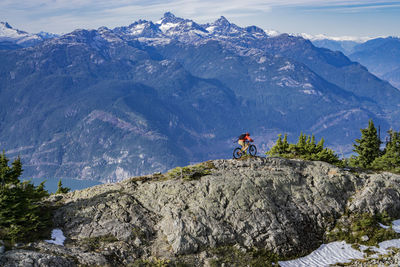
(247, 138)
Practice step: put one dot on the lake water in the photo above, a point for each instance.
(74, 184)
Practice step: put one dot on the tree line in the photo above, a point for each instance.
(368, 152)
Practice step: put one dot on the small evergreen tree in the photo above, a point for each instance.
(367, 147)
(21, 215)
(390, 160)
(280, 148)
(61, 189)
(9, 175)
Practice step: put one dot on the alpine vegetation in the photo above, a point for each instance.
(306, 149)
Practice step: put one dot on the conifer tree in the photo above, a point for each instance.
(367, 147)
(280, 148)
(9, 175)
(61, 189)
(390, 160)
(21, 215)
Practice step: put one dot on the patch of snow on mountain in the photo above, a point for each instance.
(210, 29)
(155, 41)
(166, 26)
(107, 35)
(272, 33)
(138, 29)
(198, 32)
(311, 92)
(261, 79)
(309, 89)
(150, 68)
(165, 62)
(288, 66)
(288, 82)
(262, 60)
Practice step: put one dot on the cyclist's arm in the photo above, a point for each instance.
(248, 139)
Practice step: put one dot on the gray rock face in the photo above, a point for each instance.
(25, 258)
(283, 206)
(379, 193)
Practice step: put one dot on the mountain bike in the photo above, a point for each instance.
(238, 153)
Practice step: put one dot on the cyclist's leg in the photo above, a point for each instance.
(241, 143)
(246, 146)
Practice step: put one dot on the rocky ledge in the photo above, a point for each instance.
(199, 214)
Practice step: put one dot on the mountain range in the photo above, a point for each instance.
(380, 55)
(108, 104)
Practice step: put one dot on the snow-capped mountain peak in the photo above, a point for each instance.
(6, 31)
(223, 27)
(169, 18)
(5, 25)
(21, 38)
(171, 25)
(140, 28)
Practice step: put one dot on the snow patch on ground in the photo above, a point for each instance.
(57, 237)
(326, 254)
(341, 252)
(396, 226)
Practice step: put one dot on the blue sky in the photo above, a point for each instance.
(333, 18)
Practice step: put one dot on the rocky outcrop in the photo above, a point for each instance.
(278, 205)
(32, 258)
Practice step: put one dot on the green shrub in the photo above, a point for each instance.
(306, 149)
(231, 256)
(353, 228)
(192, 172)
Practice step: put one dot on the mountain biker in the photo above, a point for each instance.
(242, 141)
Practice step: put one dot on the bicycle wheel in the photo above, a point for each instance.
(252, 150)
(237, 153)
